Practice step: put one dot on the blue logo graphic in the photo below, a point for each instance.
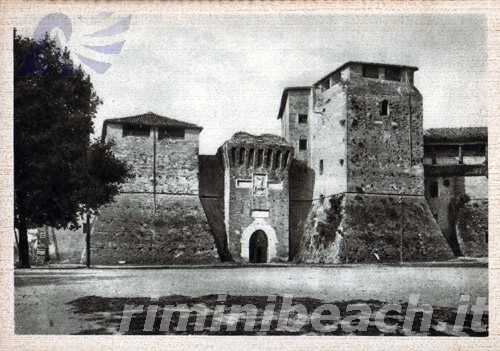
(87, 47)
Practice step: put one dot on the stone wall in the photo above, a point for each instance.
(177, 164)
(174, 162)
(328, 142)
(472, 228)
(384, 152)
(360, 228)
(158, 217)
(128, 230)
(138, 152)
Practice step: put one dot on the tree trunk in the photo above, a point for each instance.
(87, 239)
(24, 248)
(56, 248)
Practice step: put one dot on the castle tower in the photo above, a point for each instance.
(256, 203)
(157, 218)
(366, 150)
(295, 116)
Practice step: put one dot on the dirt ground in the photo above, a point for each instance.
(75, 301)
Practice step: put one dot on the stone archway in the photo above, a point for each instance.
(262, 225)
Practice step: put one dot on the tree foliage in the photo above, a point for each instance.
(58, 172)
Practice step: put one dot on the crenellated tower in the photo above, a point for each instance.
(256, 197)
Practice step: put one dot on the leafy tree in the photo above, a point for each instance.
(54, 105)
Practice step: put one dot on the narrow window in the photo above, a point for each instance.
(302, 118)
(370, 71)
(320, 167)
(434, 189)
(242, 155)
(260, 157)
(233, 156)
(384, 108)
(268, 158)
(303, 144)
(135, 130)
(277, 158)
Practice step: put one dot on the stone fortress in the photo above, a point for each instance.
(353, 178)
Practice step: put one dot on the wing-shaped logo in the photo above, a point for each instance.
(92, 40)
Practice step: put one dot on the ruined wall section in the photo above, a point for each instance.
(384, 151)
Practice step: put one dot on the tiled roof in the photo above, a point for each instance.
(466, 134)
(153, 120)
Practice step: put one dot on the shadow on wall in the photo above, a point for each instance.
(211, 176)
(301, 180)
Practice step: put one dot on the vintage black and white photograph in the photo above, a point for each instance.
(250, 174)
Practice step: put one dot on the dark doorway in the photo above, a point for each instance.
(258, 247)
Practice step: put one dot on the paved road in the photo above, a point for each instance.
(41, 296)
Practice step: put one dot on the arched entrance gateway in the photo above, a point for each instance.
(258, 247)
(251, 236)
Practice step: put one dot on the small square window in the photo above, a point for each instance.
(303, 144)
(302, 118)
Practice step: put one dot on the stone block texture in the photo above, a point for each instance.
(129, 230)
(472, 229)
(360, 228)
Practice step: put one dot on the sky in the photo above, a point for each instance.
(226, 73)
